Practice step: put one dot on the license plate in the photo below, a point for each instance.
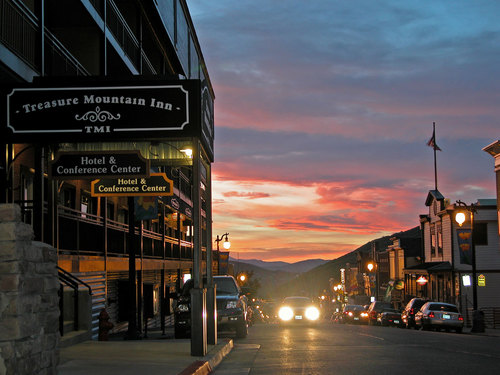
(396, 321)
(446, 316)
(356, 318)
(299, 317)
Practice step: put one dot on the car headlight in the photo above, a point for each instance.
(285, 313)
(364, 314)
(182, 308)
(231, 304)
(312, 313)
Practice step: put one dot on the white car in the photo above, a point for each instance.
(439, 315)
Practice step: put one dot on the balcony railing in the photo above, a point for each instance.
(83, 234)
(19, 32)
(126, 38)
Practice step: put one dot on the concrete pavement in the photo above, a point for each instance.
(156, 355)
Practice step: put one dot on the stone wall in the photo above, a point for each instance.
(29, 303)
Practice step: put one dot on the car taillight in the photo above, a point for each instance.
(431, 315)
(460, 317)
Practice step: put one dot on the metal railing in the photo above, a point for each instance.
(83, 233)
(66, 278)
(18, 31)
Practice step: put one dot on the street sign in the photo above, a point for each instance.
(98, 164)
(481, 280)
(156, 185)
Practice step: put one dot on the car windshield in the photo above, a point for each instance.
(225, 285)
(381, 306)
(418, 304)
(297, 301)
(391, 310)
(354, 308)
(443, 307)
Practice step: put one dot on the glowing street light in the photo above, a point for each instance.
(460, 218)
(226, 245)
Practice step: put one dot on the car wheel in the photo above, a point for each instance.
(458, 330)
(242, 329)
(426, 327)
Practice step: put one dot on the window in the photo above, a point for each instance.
(67, 197)
(480, 233)
(439, 234)
(433, 239)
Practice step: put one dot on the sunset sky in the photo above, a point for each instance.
(324, 108)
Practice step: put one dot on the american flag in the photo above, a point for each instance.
(432, 142)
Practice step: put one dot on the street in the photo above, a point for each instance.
(329, 348)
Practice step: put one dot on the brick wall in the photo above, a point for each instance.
(29, 304)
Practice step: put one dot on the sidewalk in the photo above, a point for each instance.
(487, 332)
(156, 355)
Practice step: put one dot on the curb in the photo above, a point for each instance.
(210, 361)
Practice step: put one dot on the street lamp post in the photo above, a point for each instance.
(371, 266)
(226, 245)
(460, 217)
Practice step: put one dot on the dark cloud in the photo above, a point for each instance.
(340, 96)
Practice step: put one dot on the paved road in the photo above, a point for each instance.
(350, 349)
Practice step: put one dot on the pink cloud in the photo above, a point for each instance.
(249, 195)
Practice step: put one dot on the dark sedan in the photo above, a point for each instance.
(354, 314)
(390, 317)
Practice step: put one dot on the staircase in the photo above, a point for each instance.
(82, 296)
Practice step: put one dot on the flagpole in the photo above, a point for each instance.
(435, 162)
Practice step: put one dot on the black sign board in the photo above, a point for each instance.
(179, 205)
(98, 110)
(109, 111)
(98, 164)
(156, 185)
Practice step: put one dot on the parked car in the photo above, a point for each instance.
(411, 308)
(439, 315)
(390, 317)
(354, 314)
(298, 310)
(231, 308)
(375, 308)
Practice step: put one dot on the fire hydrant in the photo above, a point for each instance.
(104, 325)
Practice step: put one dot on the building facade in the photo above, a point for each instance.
(446, 273)
(103, 57)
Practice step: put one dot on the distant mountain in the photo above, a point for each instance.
(268, 279)
(297, 267)
(316, 280)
